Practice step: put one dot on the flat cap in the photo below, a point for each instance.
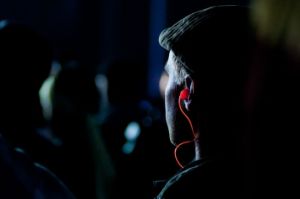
(209, 32)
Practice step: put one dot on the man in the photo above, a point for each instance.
(208, 63)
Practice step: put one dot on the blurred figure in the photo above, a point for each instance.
(134, 125)
(277, 23)
(122, 129)
(275, 107)
(124, 96)
(81, 160)
(21, 177)
(25, 60)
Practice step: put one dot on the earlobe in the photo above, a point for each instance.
(187, 104)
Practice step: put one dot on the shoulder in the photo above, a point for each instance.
(181, 182)
(50, 185)
(20, 176)
(205, 179)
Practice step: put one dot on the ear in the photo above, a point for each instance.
(189, 84)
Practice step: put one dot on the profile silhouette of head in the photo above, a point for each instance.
(25, 62)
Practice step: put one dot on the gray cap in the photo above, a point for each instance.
(208, 33)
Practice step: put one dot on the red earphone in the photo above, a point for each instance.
(184, 94)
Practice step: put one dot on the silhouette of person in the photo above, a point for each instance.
(273, 100)
(25, 59)
(207, 67)
(231, 101)
(133, 125)
(81, 160)
(21, 177)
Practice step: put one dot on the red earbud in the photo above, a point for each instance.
(184, 94)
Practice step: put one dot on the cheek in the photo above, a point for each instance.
(178, 126)
(170, 107)
(169, 99)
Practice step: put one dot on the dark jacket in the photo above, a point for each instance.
(203, 179)
(20, 177)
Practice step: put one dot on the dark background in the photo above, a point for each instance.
(97, 32)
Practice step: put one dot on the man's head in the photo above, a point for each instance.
(25, 62)
(208, 55)
(25, 54)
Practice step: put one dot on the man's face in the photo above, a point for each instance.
(174, 118)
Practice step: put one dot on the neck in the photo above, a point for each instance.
(197, 149)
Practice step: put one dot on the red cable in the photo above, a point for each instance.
(187, 141)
